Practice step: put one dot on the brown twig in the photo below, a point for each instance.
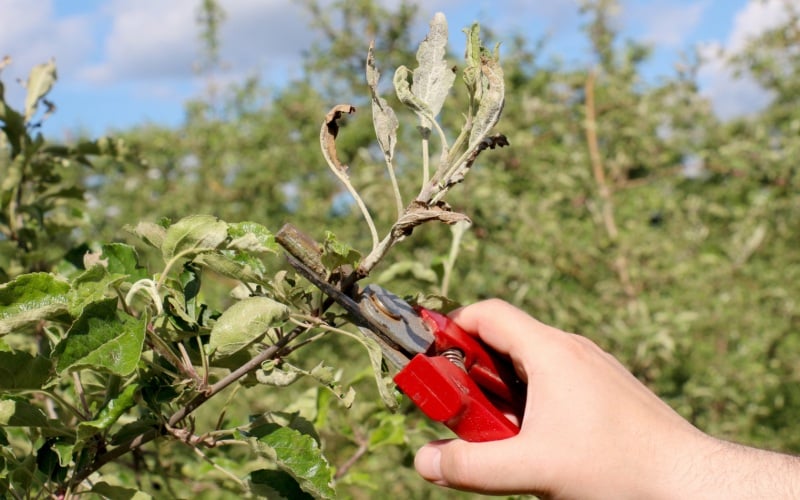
(604, 189)
(363, 447)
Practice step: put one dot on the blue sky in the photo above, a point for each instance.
(122, 63)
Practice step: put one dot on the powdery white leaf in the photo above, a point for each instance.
(433, 78)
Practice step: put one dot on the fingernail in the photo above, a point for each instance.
(428, 463)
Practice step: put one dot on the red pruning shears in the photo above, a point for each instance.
(450, 375)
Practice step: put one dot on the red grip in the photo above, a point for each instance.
(445, 393)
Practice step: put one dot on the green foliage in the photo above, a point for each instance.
(185, 354)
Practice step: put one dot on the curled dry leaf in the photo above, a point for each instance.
(490, 142)
(329, 131)
(419, 213)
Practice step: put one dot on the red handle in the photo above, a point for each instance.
(446, 393)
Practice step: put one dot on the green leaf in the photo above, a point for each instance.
(103, 338)
(390, 431)
(251, 237)
(300, 455)
(110, 413)
(193, 235)
(123, 259)
(413, 268)
(335, 253)
(31, 298)
(112, 492)
(40, 81)
(246, 322)
(19, 413)
(433, 78)
(268, 483)
(90, 286)
(20, 370)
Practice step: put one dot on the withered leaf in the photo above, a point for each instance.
(419, 213)
(329, 131)
(383, 117)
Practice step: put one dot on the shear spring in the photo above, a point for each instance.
(454, 356)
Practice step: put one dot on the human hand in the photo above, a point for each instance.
(591, 429)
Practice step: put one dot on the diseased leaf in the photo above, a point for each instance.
(153, 234)
(386, 386)
(194, 234)
(328, 133)
(103, 338)
(245, 322)
(484, 79)
(238, 266)
(40, 81)
(278, 375)
(384, 119)
(20, 370)
(419, 213)
(285, 374)
(300, 455)
(433, 78)
(31, 298)
(251, 237)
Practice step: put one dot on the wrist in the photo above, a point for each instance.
(721, 469)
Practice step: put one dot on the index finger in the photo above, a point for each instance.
(502, 326)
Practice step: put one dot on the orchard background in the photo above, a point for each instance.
(624, 209)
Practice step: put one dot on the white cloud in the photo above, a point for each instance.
(731, 95)
(152, 39)
(665, 23)
(32, 35)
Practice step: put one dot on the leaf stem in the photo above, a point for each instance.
(398, 197)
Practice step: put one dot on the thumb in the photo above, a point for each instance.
(486, 467)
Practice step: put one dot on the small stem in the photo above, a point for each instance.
(363, 447)
(375, 256)
(398, 198)
(425, 157)
(76, 378)
(458, 231)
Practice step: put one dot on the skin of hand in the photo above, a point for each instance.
(592, 430)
